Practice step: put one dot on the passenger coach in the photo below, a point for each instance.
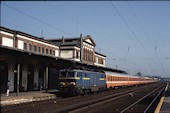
(114, 79)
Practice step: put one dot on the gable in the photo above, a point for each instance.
(89, 40)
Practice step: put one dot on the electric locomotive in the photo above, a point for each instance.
(75, 81)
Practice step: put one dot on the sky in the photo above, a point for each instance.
(134, 35)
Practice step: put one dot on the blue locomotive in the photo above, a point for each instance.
(74, 81)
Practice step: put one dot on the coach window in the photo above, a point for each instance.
(116, 79)
(30, 47)
(25, 46)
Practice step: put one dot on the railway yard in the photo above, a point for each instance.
(136, 99)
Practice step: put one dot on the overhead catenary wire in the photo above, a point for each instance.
(90, 29)
(38, 20)
(132, 32)
(139, 22)
(145, 34)
(19, 26)
(140, 25)
(54, 27)
(41, 21)
(87, 28)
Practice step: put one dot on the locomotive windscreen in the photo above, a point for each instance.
(70, 74)
(67, 74)
(63, 74)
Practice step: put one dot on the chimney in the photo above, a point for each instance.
(63, 41)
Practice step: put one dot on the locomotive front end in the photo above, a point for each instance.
(68, 82)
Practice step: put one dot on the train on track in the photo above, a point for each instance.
(75, 81)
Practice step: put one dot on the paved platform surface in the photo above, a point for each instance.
(164, 104)
(24, 97)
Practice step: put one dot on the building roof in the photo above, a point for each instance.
(18, 52)
(72, 41)
(100, 54)
(25, 34)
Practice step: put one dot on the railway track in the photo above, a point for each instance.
(119, 107)
(72, 103)
(145, 104)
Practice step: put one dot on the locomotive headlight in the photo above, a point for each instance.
(62, 83)
(73, 83)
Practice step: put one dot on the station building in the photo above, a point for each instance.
(33, 63)
(70, 49)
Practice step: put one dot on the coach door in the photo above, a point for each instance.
(3, 76)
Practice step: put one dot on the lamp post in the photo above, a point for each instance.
(18, 75)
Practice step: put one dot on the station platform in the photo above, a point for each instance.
(24, 97)
(164, 104)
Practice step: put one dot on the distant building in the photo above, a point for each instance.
(70, 49)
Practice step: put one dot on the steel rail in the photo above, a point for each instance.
(140, 100)
(153, 100)
(164, 89)
(106, 100)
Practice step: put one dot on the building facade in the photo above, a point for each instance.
(32, 70)
(32, 63)
(70, 48)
